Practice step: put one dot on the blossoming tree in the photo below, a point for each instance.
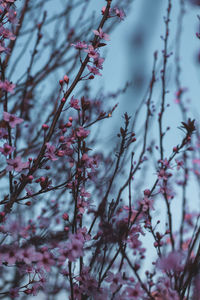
(77, 221)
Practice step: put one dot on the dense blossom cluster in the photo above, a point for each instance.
(73, 218)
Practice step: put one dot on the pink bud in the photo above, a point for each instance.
(45, 127)
(66, 79)
(61, 139)
(65, 216)
(42, 179)
(30, 178)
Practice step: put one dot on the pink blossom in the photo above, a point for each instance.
(12, 119)
(101, 34)
(16, 164)
(75, 246)
(46, 261)
(93, 70)
(92, 52)
(165, 291)
(7, 149)
(82, 205)
(50, 152)
(98, 62)
(173, 262)
(134, 242)
(134, 293)
(119, 13)
(6, 33)
(7, 86)
(27, 255)
(82, 133)
(84, 193)
(74, 103)
(162, 174)
(115, 279)
(9, 255)
(80, 45)
(147, 203)
(180, 164)
(89, 285)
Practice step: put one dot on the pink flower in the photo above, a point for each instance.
(101, 34)
(119, 13)
(134, 242)
(7, 149)
(12, 119)
(75, 246)
(98, 62)
(16, 164)
(82, 133)
(46, 261)
(116, 280)
(50, 152)
(74, 103)
(9, 255)
(92, 52)
(135, 293)
(173, 262)
(7, 85)
(93, 70)
(80, 45)
(27, 255)
(6, 33)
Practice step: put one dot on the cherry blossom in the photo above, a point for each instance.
(119, 13)
(12, 119)
(50, 152)
(16, 164)
(80, 45)
(75, 246)
(82, 133)
(92, 52)
(93, 70)
(45, 260)
(7, 149)
(74, 103)
(101, 34)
